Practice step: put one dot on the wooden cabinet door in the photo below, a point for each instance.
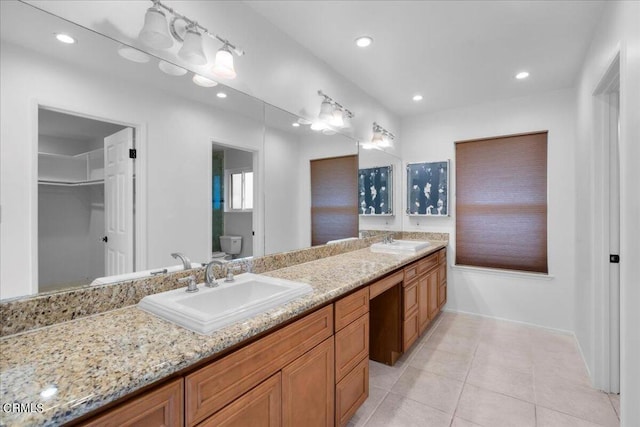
(410, 299)
(259, 407)
(162, 407)
(423, 303)
(433, 293)
(308, 388)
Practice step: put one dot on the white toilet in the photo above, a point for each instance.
(230, 245)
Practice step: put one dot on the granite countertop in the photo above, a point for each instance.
(95, 360)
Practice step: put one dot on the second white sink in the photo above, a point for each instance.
(400, 246)
(211, 309)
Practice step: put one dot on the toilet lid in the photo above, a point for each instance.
(218, 255)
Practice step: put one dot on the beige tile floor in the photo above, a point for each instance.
(470, 371)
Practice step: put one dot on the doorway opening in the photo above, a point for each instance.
(607, 97)
(232, 202)
(85, 199)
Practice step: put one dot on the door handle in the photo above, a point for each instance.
(105, 239)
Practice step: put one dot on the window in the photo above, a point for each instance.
(240, 189)
(501, 202)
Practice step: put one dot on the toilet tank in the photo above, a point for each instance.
(231, 245)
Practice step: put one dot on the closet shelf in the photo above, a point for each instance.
(71, 183)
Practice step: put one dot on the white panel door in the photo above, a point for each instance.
(118, 186)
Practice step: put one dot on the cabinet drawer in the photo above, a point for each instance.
(410, 302)
(260, 406)
(214, 386)
(427, 263)
(410, 272)
(159, 407)
(350, 308)
(352, 345)
(351, 392)
(410, 331)
(382, 285)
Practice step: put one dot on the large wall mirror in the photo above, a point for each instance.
(68, 218)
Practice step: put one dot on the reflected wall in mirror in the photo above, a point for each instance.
(379, 160)
(290, 145)
(174, 123)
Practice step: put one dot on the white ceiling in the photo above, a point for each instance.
(454, 53)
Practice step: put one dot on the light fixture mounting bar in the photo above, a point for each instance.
(337, 104)
(191, 22)
(383, 131)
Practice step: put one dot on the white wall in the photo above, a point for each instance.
(619, 31)
(431, 137)
(281, 155)
(177, 134)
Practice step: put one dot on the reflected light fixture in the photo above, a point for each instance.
(333, 113)
(295, 124)
(133, 54)
(382, 138)
(159, 34)
(203, 81)
(221, 95)
(417, 97)
(65, 38)
(522, 75)
(171, 69)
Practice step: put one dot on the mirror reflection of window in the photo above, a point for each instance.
(240, 190)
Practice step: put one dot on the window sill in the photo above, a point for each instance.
(499, 272)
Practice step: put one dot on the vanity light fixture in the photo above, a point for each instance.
(522, 75)
(382, 138)
(364, 41)
(333, 113)
(318, 125)
(65, 38)
(221, 95)
(295, 124)
(133, 54)
(417, 97)
(171, 69)
(203, 81)
(159, 34)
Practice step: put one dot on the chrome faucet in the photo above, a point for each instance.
(186, 263)
(209, 279)
(192, 286)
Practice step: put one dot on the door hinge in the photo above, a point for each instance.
(133, 153)
(614, 258)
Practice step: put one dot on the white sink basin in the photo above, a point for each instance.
(400, 246)
(211, 309)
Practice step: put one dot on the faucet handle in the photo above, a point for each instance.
(192, 286)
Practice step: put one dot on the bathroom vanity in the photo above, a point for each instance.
(304, 363)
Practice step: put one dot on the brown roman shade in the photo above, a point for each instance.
(334, 199)
(501, 202)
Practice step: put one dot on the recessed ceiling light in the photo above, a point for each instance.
(522, 75)
(295, 124)
(417, 97)
(203, 81)
(364, 41)
(221, 95)
(65, 38)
